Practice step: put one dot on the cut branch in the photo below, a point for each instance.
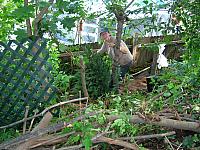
(170, 123)
(25, 117)
(44, 111)
(38, 133)
(117, 142)
(52, 140)
(143, 137)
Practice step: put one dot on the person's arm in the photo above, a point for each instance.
(123, 47)
(103, 49)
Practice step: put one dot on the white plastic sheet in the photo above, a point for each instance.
(162, 60)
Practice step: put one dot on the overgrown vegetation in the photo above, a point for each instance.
(175, 96)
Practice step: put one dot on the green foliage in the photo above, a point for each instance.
(86, 129)
(8, 134)
(22, 13)
(61, 79)
(6, 20)
(191, 141)
(123, 127)
(15, 13)
(97, 74)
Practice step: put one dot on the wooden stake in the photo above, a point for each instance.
(25, 119)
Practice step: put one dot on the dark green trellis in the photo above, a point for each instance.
(25, 78)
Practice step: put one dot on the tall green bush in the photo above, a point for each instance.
(97, 74)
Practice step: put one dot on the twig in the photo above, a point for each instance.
(44, 111)
(117, 142)
(167, 140)
(179, 146)
(148, 136)
(140, 71)
(128, 5)
(71, 147)
(25, 119)
(62, 103)
(95, 139)
(80, 101)
(30, 127)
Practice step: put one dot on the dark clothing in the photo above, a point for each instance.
(124, 69)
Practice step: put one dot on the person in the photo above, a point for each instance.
(122, 58)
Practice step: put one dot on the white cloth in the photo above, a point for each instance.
(162, 60)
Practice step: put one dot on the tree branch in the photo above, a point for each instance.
(44, 111)
(117, 142)
(170, 123)
(39, 17)
(128, 5)
(148, 136)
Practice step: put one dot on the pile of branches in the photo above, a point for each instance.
(46, 135)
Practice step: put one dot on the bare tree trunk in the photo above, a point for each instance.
(83, 81)
(28, 22)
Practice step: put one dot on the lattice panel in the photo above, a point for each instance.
(25, 78)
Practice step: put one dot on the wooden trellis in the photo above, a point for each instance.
(25, 78)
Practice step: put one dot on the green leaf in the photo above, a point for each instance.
(68, 23)
(167, 94)
(87, 143)
(145, 1)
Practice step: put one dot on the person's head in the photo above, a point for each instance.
(104, 34)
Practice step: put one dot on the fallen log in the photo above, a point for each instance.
(170, 123)
(40, 132)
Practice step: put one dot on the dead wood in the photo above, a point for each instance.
(117, 142)
(44, 111)
(170, 123)
(25, 117)
(42, 124)
(143, 137)
(143, 70)
(83, 81)
(74, 147)
(38, 133)
(52, 140)
(31, 125)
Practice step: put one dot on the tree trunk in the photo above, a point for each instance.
(28, 22)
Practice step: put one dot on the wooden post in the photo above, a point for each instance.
(25, 117)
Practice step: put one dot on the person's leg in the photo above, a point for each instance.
(124, 70)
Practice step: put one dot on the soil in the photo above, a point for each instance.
(136, 83)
